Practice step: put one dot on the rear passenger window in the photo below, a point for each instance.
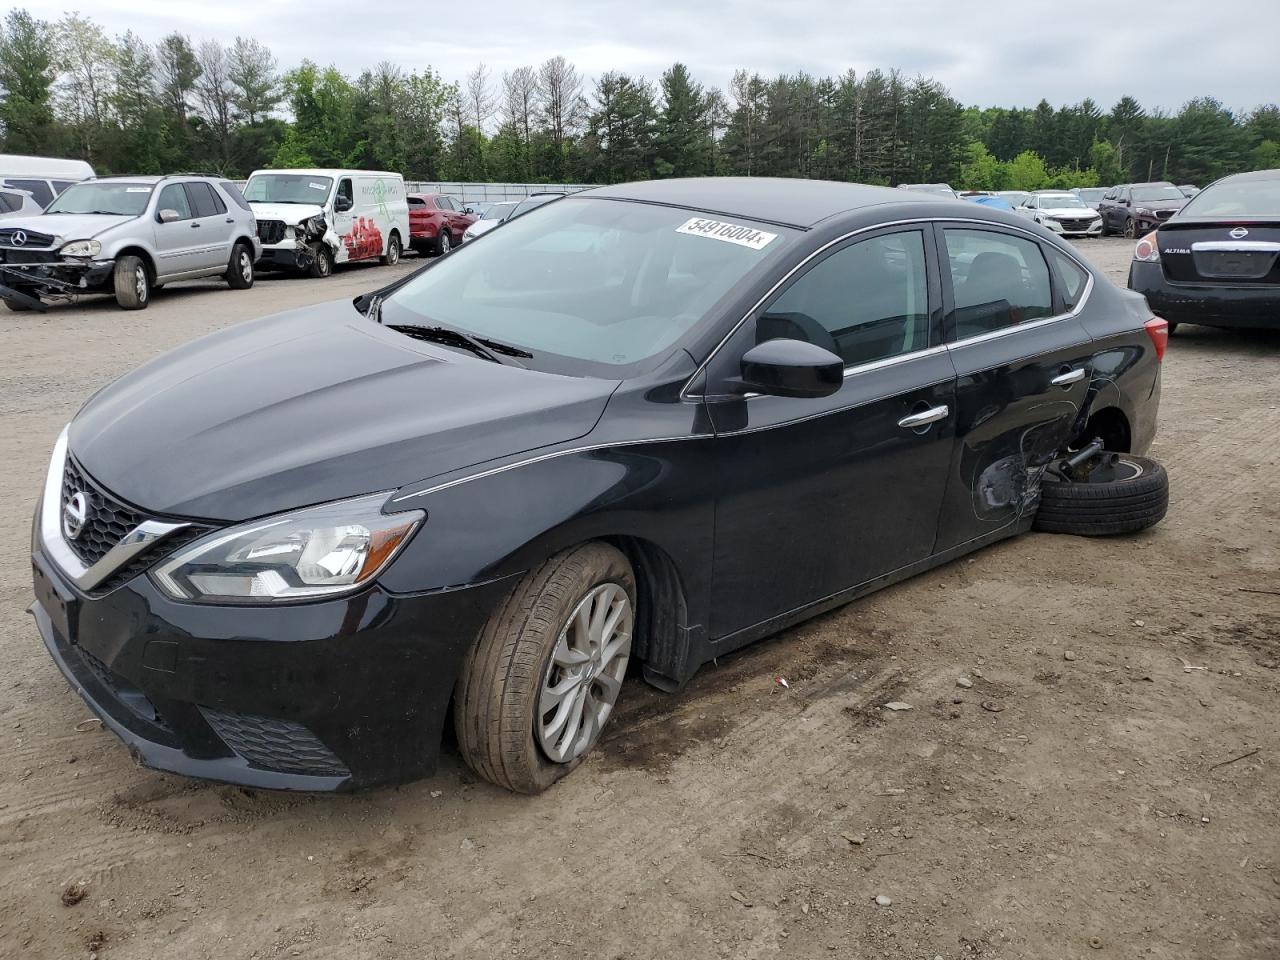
(868, 301)
(10, 203)
(1072, 278)
(417, 202)
(204, 202)
(232, 191)
(997, 281)
(173, 197)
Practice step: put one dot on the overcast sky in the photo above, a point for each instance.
(989, 52)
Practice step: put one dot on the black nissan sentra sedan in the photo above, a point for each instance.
(1217, 263)
(629, 432)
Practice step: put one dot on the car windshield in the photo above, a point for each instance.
(1053, 201)
(288, 188)
(588, 286)
(497, 211)
(532, 203)
(1092, 194)
(1156, 194)
(1236, 198)
(934, 188)
(117, 197)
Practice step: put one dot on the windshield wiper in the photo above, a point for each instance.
(480, 346)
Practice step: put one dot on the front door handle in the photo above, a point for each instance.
(195, 226)
(1068, 377)
(925, 417)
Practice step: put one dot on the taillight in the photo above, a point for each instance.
(1146, 250)
(1158, 331)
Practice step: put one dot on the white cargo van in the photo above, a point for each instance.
(310, 220)
(42, 177)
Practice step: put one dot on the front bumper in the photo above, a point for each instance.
(54, 276)
(1245, 305)
(331, 695)
(1093, 230)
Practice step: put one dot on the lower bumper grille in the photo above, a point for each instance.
(132, 698)
(273, 744)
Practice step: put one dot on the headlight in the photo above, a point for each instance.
(318, 552)
(81, 248)
(313, 225)
(1143, 210)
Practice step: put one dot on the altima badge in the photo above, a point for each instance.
(1239, 233)
(74, 515)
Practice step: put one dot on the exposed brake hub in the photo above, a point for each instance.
(1091, 463)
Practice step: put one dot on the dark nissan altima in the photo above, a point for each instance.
(1217, 263)
(627, 433)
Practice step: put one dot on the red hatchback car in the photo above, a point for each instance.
(436, 222)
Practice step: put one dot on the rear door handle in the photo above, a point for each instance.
(924, 417)
(1068, 377)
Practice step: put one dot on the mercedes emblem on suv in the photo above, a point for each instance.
(74, 514)
(18, 238)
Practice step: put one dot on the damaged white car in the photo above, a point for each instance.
(310, 220)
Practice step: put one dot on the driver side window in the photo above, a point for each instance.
(867, 301)
(344, 190)
(174, 197)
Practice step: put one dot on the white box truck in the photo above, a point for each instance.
(310, 220)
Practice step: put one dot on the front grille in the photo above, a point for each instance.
(106, 521)
(33, 239)
(270, 231)
(1082, 224)
(14, 256)
(272, 744)
(1165, 214)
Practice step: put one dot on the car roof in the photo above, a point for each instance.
(780, 200)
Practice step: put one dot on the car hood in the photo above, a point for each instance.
(290, 213)
(314, 405)
(68, 226)
(1068, 212)
(1160, 204)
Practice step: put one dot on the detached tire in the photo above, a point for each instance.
(1137, 500)
(541, 680)
(132, 283)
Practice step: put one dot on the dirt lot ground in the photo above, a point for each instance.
(1066, 806)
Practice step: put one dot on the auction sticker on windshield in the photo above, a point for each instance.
(737, 233)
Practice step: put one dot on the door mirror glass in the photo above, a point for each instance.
(791, 368)
(342, 204)
(168, 215)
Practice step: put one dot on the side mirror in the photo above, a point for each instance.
(342, 204)
(791, 368)
(468, 209)
(168, 215)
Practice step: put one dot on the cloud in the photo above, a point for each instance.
(997, 52)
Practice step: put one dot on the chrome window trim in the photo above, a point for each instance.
(1235, 246)
(980, 224)
(131, 544)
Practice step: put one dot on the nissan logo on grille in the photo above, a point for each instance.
(1239, 233)
(74, 514)
(18, 238)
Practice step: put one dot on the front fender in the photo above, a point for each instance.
(510, 519)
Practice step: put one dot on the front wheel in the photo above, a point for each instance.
(321, 261)
(132, 283)
(542, 679)
(240, 270)
(392, 256)
(1134, 498)
(1130, 229)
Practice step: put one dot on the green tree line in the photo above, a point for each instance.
(125, 105)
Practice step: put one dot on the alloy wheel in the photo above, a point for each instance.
(445, 246)
(246, 267)
(583, 677)
(140, 283)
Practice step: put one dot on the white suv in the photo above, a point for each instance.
(128, 236)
